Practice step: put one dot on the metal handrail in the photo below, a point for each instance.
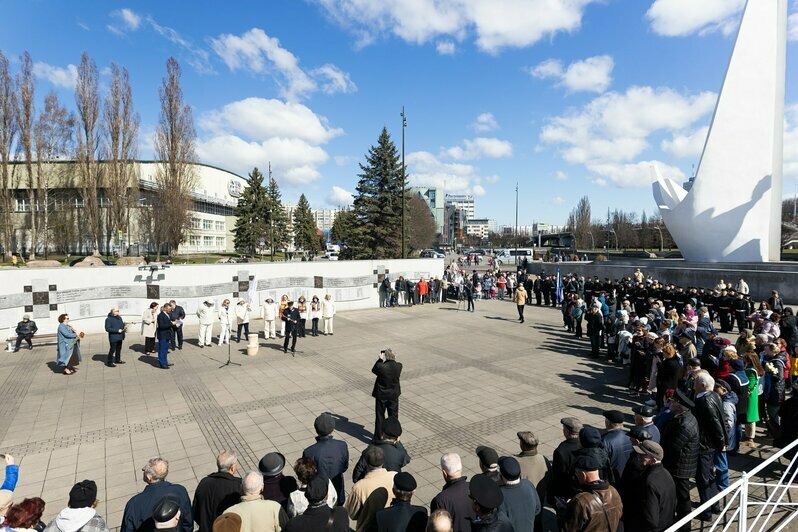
(741, 486)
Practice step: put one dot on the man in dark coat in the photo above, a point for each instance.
(25, 331)
(277, 487)
(115, 327)
(164, 332)
(562, 461)
(402, 516)
(712, 436)
(138, 510)
(396, 456)
(655, 496)
(291, 318)
(521, 504)
(217, 492)
(595, 329)
(487, 498)
(387, 389)
(680, 445)
(454, 497)
(597, 506)
(176, 315)
(317, 515)
(331, 455)
(616, 442)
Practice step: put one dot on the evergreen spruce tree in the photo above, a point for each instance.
(277, 232)
(251, 214)
(377, 205)
(305, 236)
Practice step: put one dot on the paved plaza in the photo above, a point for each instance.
(469, 379)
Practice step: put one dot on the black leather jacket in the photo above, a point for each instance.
(26, 327)
(711, 428)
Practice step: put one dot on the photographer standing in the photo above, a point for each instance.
(386, 388)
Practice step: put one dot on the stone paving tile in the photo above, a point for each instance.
(467, 381)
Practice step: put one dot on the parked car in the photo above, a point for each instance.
(330, 255)
(431, 254)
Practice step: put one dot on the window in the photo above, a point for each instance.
(22, 204)
(207, 225)
(195, 223)
(207, 241)
(194, 241)
(219, 225)
(219, 242)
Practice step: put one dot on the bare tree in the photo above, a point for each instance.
(8, 134)
(119, 151)
(579, 223)
(26, 87)
(175, 140)
(53, 140)
(421, 224)
(87, 99)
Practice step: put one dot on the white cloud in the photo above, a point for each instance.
(485, 122)
(480, 147)
(593, 74)
(599, 181)
(792, 27)
(125, 20)
(676, 18)
(344, 160)
(446, 47)
(339, 197)
(259, 53)
(261, 118)
(559, 175)
(558, 200)
(65, 77)
(615, 126)
(686, 145)
(427, 170)
(336, 79)
(494, 24)
(632, 174)
(492, 179)
(255, 131)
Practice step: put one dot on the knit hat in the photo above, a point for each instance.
(83, 494)
(324, 424)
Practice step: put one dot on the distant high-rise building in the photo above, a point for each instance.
(324, 218)
(432, 198)
(464, 202)
(481, 227)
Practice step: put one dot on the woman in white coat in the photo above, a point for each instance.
(226, 319)
(269, 311)
(148, 327)
(206, 317)
(328, 313)
(242, 318)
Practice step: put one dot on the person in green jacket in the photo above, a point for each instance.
(754, 371)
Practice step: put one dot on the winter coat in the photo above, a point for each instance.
(332, 460)
(680, 443)
(225, 316)
(149, 323)
(595, 324)
(711, 427)
(655, 501)
(590, 510)
(454, 498)
(327, 308)
(494, 523)
(619, 447)
(402, 517)
(115, 327)
(520, 296)
(205, 314)
(213, 496)
(396, 458)
(669, 373)
(25, 328)
(66, 342)
(561, 469)
(387, 384)
(77, 520)
(269, 311)
(138, 510)
(368, 497)
(164, 326)
(738, 381)
(729, 403)
(259, 515)
(753, 395)
(521, 505)
(242, 313)
(315, 519)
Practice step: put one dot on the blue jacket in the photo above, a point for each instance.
(520, 505)
(112, 326)
(138, 511)
(164, 326)
(12, 474)
(66, 341)
(332, 460)
(619, 447)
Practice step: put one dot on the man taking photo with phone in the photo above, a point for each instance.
(386, 388)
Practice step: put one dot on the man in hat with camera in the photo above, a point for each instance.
(331, 455)
(680, 446)
(402, 516)
(387, 388)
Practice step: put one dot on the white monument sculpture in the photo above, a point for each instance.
(732, 213)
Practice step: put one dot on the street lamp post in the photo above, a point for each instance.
(404, 126)
(516, 223)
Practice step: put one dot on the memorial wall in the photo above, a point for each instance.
(88, 294)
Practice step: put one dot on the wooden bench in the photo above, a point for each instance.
(38, 339)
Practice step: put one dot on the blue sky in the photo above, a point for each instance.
(567, 98)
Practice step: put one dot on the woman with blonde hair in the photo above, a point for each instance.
(283, 306)
(149, 327)
(226, 319)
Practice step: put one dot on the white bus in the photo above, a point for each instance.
(514, 256)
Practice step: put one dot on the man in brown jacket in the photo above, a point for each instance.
(520, 300)
(372, 493)
(598, 506)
